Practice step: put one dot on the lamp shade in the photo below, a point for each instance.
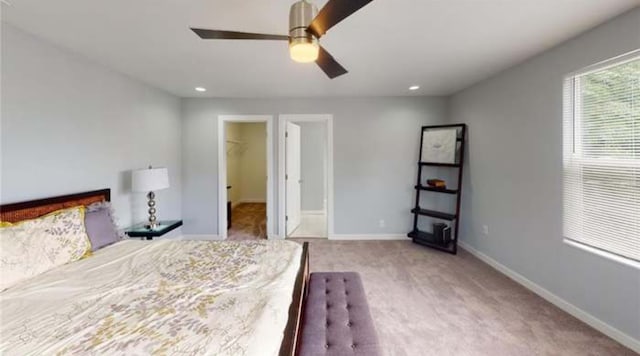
(148, 180)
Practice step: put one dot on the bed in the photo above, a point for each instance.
(162, 297)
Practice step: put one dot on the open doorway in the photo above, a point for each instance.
(306, 165)
(244, 177)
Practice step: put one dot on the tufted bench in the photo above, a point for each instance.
(337, 321)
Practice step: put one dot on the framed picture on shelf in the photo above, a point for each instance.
(439, 145)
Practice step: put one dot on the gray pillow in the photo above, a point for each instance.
(100, 228)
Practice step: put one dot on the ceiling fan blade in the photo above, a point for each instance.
(206, 34)
(332, 13)
(329, 65)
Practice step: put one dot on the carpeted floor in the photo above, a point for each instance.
(429, 303)
(248, 222)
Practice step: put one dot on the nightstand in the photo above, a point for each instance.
(143, 231)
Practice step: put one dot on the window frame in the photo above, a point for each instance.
(572, 111)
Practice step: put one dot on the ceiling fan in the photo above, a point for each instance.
(306, 26)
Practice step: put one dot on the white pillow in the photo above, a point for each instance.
(32, 247)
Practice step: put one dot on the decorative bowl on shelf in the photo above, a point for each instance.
(437, 183)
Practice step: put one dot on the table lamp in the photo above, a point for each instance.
(150, 180)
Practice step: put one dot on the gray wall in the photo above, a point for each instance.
(313, 150)
(69, 125)
(513, 179)
(375, 149)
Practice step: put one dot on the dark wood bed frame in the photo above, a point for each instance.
(292, 332)
(34, 208)
(14, 212)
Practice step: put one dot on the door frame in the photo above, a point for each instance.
(222, 169)
(282, 125)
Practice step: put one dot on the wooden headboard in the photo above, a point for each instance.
(15, 212)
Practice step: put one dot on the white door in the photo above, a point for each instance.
(292, 171)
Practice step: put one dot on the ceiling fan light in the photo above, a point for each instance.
(303, 47)
(304, 52)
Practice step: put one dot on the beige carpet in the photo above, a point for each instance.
(248, 222)
(425, 302)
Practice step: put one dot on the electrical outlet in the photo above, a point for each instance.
(485, 230)
(381, 223)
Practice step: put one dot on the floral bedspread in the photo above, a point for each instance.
(156, 298)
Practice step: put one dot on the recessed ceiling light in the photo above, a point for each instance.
(414, 87)
(201, 89)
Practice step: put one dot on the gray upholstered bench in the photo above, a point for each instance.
(337, 321)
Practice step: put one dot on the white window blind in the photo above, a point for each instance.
(601, 158)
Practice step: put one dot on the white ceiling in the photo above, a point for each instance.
(442, 45)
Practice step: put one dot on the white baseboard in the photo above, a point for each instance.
(200, 237)
(585, 317)
(313, 212)
(357, 237)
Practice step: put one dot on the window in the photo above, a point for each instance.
(601, 158)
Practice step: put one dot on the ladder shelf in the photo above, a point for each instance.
(427, 238)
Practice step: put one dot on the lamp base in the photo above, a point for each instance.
(152, 210)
